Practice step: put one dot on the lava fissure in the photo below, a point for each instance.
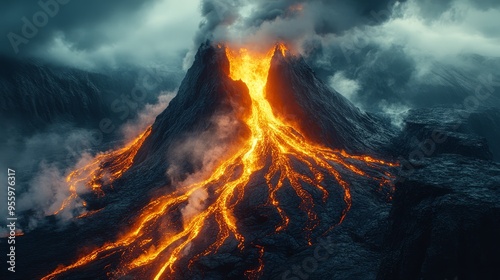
(274, 147)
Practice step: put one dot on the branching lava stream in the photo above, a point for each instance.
(150, 245)
(103, 169)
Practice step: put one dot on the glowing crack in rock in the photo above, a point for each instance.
(148, 245)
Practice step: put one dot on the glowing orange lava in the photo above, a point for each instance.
(271, 138)
(103, 169)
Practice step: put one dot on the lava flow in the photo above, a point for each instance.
(103, 169)
(275, 149)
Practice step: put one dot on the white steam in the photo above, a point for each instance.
(395, 112)
(147, 116)
(196, 204)
(48, 189)
(345, 86)
(205, 150)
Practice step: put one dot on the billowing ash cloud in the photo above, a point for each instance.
(263, 23)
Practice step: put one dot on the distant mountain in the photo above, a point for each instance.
(392, 77)
(35, 95)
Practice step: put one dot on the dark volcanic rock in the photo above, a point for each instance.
(206, 93)
(436, 131)
(486, 123)
(445, 222)
(323, 114)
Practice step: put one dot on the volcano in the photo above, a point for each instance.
(285, 142)
(255, 170)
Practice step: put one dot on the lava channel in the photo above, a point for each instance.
(103, 169)
(148, 246)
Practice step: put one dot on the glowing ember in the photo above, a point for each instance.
(257, 272)
(296, 8)
(271, 138)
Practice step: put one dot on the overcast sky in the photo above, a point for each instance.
(348, 41)
(94, 33)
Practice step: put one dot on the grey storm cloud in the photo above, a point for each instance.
(432, 9)
(77, 20)
(89, 34)
(324, 16)
(332, 16)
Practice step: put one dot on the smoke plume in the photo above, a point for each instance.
(202, 152)
(147, 116)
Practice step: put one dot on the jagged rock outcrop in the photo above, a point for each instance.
(445, 222)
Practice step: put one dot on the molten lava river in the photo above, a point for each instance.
(149, 245)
